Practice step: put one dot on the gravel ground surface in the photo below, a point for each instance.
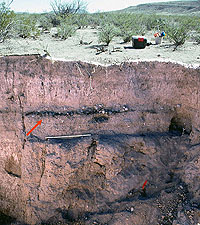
(117, 52)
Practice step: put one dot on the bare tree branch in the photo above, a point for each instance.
(10, 3)
(65, 9)
(7, 4)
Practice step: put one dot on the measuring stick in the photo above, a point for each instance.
(69, 136)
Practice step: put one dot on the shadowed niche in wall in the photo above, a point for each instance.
(180, 126)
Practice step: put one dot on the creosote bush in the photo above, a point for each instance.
(66, 30)
(107, 33)
(196, 37)
(80, 20)
(6, 21)
(65, 9)
(26, 28)
(45, 23)
(53, 19)
(127, 32)
(124, 22)
(177, 33)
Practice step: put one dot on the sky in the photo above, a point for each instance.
(93, 5)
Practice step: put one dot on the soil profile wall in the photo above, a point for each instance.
(39, 178)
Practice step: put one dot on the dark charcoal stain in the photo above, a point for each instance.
(70, 215)
(81, 111)
(32, 138)
(151, 111)
(13, 174)
(91, 149)
(178, 127)
(84, 194)
(27, 73)
(170, 177)
(99, 119)
(6, 220)
(143, 194)
(11, 98)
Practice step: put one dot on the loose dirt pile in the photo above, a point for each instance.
(144, 124)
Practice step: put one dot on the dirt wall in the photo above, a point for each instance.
(142, 118)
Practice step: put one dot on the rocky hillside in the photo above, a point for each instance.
(174, 7)
(144, 121)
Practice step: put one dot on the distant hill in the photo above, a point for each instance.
(175, 7)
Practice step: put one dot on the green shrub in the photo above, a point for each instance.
(6, 21)
(66, 30)
(45, 23)
(196, 37)
(80, 20)
(65, 9)
(95, 20)
(26, 28)
(129, 25)
(54, 19)
(191, 22)
(107, 33)
(126, 35)
(177, 33)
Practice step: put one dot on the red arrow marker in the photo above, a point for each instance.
(143, 186)
(38, 123)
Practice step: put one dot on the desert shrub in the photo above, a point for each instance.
(66, 30)
(6, 21)
(123, 22)
(126, 33)
(177, 33)
(26, 28)
(53, 19)
(45, 23)
(97, 19)
(196, 36)
(118, 19)
(93, 20)
(191, 22)
(152, 22)
(80, 20)
(107, 33)
(124, 25)
(64, 9)
(129, 25)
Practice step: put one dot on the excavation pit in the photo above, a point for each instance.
(143, 118)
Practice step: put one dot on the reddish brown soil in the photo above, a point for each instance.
(144, 122)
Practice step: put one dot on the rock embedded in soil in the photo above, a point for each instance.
(144, 121)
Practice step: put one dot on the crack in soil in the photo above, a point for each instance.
(43, 165)
(22, 120)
